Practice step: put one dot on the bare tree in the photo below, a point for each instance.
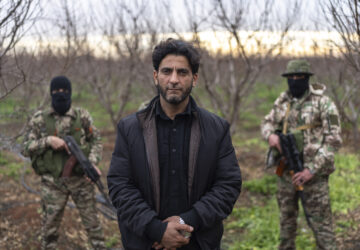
(344, 17)
(229, 78)
(15, 16)
(130, 35)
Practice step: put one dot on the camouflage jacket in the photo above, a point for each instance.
(36, 139)
(314, 108)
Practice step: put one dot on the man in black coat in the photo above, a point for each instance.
(174, 176)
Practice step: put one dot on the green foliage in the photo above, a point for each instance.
(260, 225)
(251, 143)
(10, 110)
(249, 119)
(257, 226)
(264, 96)
(344, 183)
(345, 225)
(87, 100)
(112, 241)
(305, 239)
(9, 166)
(266, 185)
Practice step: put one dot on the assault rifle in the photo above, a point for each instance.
(293, 162)
(87, 166)
(291, 153)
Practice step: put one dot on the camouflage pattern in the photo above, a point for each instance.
(319, 145)
(297, 66)
(317, 203)
(55, 191)
(36, 141)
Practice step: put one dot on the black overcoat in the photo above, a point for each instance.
(214, 178)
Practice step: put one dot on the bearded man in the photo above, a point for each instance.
(174, 176)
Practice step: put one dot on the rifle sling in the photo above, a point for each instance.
(308, 126)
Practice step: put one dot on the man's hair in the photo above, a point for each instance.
(176, 47)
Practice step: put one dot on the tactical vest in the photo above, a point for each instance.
(52, 162)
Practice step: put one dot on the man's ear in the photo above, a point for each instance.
(195, 78)
(155, 75)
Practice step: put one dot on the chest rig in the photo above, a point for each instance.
(52, 162)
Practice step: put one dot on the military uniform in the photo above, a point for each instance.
(316, 118)
(48, 163)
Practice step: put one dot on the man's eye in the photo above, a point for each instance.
(183, 72)
(166, 71)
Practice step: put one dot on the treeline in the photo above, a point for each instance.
(121, 70)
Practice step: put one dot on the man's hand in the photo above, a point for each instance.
(57, 143)
(274, 141)
(172, 218)
(97, 170)
(302, 177)
(172, 237)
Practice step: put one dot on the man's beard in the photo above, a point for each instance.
(174, 99)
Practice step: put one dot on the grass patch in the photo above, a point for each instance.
(344, 183)
(260, 226)
(257, 227)
(9, 166)
(266, 185)
(112, 241)
(256, 143)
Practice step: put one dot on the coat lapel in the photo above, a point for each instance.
(150, 138)
(195, 137)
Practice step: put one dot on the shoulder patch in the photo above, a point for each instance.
(334, 120)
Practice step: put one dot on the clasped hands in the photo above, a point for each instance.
(172, 237)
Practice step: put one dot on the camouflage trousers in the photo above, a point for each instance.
(317, 205)
(54, 194)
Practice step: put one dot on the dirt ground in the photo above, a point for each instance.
(20, 222)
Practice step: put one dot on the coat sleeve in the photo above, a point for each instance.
(133, 211)
(92, 135)
(34, 143)
(331, 142)
(218, 202)
(271, 121)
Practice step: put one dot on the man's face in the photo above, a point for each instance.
(174, 80)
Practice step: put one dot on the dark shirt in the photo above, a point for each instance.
(173, 146)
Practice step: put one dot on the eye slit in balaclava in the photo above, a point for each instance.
(298, 87)
(61, 101)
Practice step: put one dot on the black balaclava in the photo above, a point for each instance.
(61, 101)
(298, 87)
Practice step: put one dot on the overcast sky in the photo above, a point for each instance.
(308, 16)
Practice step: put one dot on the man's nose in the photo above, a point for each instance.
(174, 77)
